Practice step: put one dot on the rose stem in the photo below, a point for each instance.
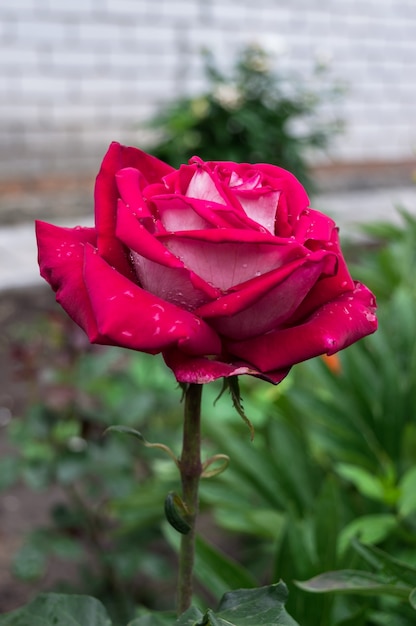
(190, 468)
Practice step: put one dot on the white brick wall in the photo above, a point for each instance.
(75, 74)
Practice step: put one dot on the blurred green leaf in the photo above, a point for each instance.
(407, 498)
(162, 619)
(9, 471)
(52, 609)
(29, 563)
(353, 581)
(368, 529)
(386, 563)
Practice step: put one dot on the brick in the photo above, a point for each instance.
(40, 31)
(86, 62)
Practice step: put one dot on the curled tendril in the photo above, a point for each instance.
(218, 470)
(135, 433)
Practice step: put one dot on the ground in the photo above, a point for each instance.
(21, 509)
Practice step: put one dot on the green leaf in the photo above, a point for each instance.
(9, 471)
(29, 563)
(126, 430)
(55, 609)
(245, 607)
(234, 389)
(160, 619)
(369, 529)
(264, 606)
(399, 569)
(211, 560)
(407, 498)
(352, 581)
(412, 599)
(367, 484)
(189, 618)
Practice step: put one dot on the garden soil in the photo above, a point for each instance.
(21, 509)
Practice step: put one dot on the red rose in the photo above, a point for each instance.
(221, 266)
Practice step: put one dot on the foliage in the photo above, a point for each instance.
(77, 393)
(245, 607)
(59, 609)
(333, 459)
(254, 115)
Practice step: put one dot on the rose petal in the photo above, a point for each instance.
(117, 158)
(221, 259)
(61, 261)
(136, 237)
(200, 370)
(203, 187)
(158, 270)
(333, 327)
(273, 298)
(280, 179)
(176, 213)
(129, 316)
(329, 287)
(129, 184)
(313, 225)
(261, 208)
(176, 285)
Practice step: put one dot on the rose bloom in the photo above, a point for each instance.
(222, 267)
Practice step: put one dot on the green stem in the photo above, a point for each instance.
(191, 469)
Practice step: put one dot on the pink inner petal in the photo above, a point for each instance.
(176, 213)
(261, 208)
(227, 264)
(172, 284)
(203, 187)
(237, 183)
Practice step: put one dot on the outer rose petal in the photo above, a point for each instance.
(61, 261)
(270, 300)
(129, 316)
(200, 370)
(333, 327)
(106, 195)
